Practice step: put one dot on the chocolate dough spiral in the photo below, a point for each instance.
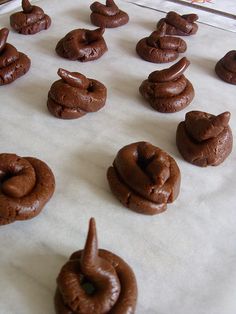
(95, 281)
(158, 48)
(82, 45)
(26, 185)
(144, 178)
(168, 90)
(226, 67)
(108, 15)
(13, 63)
(31, 20)
(204, 139)
(75, 95)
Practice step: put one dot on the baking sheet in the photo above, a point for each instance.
(184, 259)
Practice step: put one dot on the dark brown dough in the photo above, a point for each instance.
(95, 281)
(168, 90)
(226, 67)
(31, 20)
(204, 139)
(26, 185)
(158, 48)
(144, 178)
(13, 64)
(82, 45)
(108, 15)
(75, 95)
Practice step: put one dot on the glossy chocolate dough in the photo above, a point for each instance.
(168, 90)
(13, 63)
(144, 178)
(95, 281)
(204, 139)
(158, 48)
(75, 95)
(82, 45)
(26, 185)
(31, 20)
(108, 15)
(226, 67)
(181, 25)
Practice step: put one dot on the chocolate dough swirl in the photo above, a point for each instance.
(75, 95)
(144, 178)
(159, 48)
(204, 139)
(168, 90)
(95, 281)
(31, 20)
(226, 67)
(26, 185)
(13, 64)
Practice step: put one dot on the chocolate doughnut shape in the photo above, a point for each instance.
(181, 25)
(75, 95)
(226, 67)
(31, 20)
(158, 48)
(108, 15)
(168, 90)
(95, 281)
(82, 45)
(27, 184)
(144, 178)
(204, 139)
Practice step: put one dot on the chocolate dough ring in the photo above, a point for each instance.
(111, 282)
(226, 67)
(204, 139)
(107, 16)
(27, 184)
(144, 178)
(82, 45)
(31, 20)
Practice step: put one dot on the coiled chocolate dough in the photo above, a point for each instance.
(226, 67)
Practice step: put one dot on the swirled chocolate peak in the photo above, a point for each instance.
(31, 20)
(26, 185)
(108, 15)
(168, 90)
(144, 178)
(181, 25)
(13, 63)
(95, 281)
(226, 67)
(204, 139)
(159, 48)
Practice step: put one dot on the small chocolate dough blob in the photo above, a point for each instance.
(144, 178)
(226, 67)
(95, 281)
(108, 15)
(168, 90)
(74, 95)
(31, 20)
(181, 25)
(159, 48)
(13, 64)
(82, 45)
(26, 185)
(204, 139)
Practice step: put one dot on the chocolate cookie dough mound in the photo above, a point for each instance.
(226, 67)
(204, 139)
(26, 185)
(75, 95)
(144, 178)
(181, 25)
(31, 20)
(13, 64)
(95, 281)
(82, 45)
(159, 48)
(108, 16)
(168, 90)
